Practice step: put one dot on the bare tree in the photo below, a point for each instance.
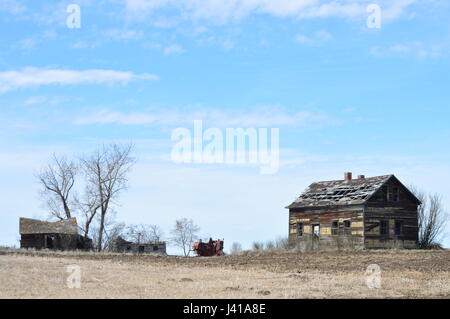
(87, 208)
(431, 219)
(156, 233)
(107, 177)
(184, 234)
(283, 243)
(144, 233)
(258, 245)
(112, 232)
(236, 248)
(57, 180)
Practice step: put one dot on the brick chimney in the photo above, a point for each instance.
(361, 176)
(348, 176)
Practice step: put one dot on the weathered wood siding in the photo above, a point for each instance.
(391, 208)
(144, 248)
(55, 241)
(36, 241)
(349, 213)
(329, 237)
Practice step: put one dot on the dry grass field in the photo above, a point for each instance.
(404, 274)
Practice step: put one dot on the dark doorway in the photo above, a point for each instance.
(141, 249)
(49, 242)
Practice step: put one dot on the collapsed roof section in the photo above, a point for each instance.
(340, 192)
(34, 226)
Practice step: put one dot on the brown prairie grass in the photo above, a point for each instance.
(404, 274)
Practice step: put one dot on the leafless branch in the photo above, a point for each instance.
(57, 180)
(107, 176)
(184, 233)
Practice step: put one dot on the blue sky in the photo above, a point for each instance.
(345, 97)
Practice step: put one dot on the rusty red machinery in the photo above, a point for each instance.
(210, 248)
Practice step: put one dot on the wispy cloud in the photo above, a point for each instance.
(12, 7)
(173, 49)
(119, 34)
(232, 10)
(33, 77)
(53, 100)
(267, 116)
(415, 49)
(316, 38)
(27, 44)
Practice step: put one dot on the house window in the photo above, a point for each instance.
(347, 227)
(141, 249)
(384, 227)
(155, 248)
(299, 229)
(334, 227)
(384, 193)
(395, 195)
(398, 227)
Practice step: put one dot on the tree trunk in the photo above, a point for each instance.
(100, 232)
(66, 209)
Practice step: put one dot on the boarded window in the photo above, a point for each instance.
(334, 227)
(299, 229)
(398, 227)
(384, 227)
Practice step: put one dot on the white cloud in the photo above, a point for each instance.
(415, 49)
(85, 44)
(12, 7)
(54, 100)
(396, 9)
(268, 116)
(316, 38)
(227, 45)
(118, 34)
(173, 49)
(219, 11)
(32, 77)
(27, 44)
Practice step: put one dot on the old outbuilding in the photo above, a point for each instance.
(60, 235)
(366, 212)
(124, 246)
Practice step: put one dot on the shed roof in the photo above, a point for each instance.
(340, 192)
(34, 226)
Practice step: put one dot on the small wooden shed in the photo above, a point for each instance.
(60, 235)
(124, 246)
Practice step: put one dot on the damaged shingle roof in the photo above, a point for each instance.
(34, 226)
(340, 192)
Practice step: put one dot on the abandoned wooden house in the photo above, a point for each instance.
(123, 246)
(375, 212)
(60, 235)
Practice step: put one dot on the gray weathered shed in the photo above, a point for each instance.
(124, 246)
(60, 235)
